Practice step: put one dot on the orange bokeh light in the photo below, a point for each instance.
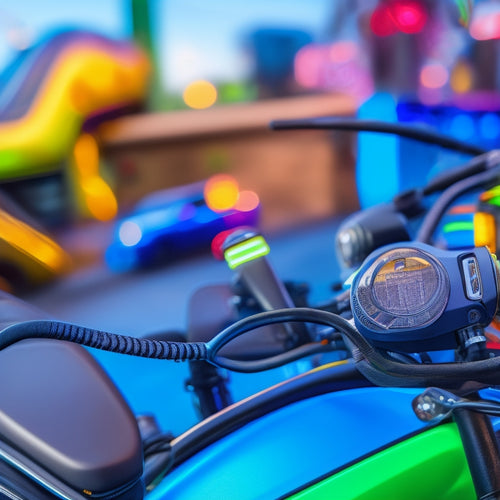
(461, 78)
(221, 192)
(97, 194)
(200, 94)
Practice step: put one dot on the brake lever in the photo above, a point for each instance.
(245, 252)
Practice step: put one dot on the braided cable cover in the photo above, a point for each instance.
(89, 337)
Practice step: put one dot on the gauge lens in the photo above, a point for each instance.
(403, 288)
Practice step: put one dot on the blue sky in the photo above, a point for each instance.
(33, 18)
(206, 38)
(196, 38)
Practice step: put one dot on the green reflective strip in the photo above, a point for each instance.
(246, 251)
(428, 465)
(458, 226)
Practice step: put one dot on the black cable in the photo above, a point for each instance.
(303, 314)
(123, 344)
(487, 407)
(371, 363)
(284, 358)
(158, 459)
(438, 209)
(411, 132)
(159, 443)
(474, 166)
(378, 368)
(156, 349)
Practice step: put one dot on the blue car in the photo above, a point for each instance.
(170, 224)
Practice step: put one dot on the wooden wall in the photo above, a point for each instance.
(299, 175)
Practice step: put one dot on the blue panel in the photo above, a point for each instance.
(387, 164)
(489, 128)
(377, 164)
(289, 447)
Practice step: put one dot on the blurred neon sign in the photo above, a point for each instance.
(486, 27)
(336, 67)
(404, 16)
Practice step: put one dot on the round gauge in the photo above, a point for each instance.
(403, 288)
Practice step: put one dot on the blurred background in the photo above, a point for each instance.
(133, 132)
(104, 103)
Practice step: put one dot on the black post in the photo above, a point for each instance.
(209, 387)
(481, 450)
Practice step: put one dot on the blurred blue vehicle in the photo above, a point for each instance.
(172, 223)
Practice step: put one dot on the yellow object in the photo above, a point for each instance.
(200, 94)
(461, 78)
(330, 365)
(33, 256)
(84, 79)
(485, 231)
(221, 192)
(92, 192)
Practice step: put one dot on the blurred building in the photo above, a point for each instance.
(273, 52)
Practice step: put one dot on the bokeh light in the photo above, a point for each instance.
(221, 192)
(99, 198)
(489, 126)
(130, 233)
(307, 64)
(461, 78)
(462, 126)
(381, 22)
(247, 201)
(200, 94)
(434, 75)
(405, 16)
(343, 51)
(338, 66)
(410, 16)
(486, 27)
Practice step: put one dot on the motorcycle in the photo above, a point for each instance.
(400, 400)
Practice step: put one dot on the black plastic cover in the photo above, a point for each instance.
(60, 409)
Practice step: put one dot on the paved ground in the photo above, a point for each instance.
(145, 302)
(141, 302)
